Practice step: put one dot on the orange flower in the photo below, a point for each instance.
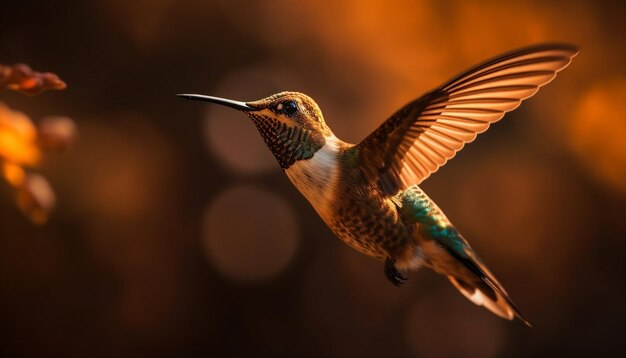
(21, 142)
(18, 138)
(22, 78)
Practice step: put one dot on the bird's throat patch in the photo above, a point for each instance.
(288, 144)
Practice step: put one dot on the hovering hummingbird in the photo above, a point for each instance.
(368, 194)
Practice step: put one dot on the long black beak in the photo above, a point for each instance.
(242, 106)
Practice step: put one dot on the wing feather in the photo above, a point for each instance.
(423, 135)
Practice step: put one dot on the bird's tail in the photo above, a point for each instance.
(495, 299)
(455, 259)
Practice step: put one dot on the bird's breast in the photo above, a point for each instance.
(316, 178)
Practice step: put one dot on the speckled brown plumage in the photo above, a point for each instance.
(365, 217)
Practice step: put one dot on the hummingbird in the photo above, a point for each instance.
(368, 193)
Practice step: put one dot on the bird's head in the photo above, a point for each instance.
(290, 123)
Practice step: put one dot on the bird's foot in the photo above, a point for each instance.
(393, 275)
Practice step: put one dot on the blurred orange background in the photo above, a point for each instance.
(176, 234)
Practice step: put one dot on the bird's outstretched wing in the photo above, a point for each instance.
(421, 137)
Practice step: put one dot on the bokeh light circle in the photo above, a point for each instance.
(250, 234)
(598, 130)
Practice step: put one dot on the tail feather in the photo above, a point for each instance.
(484, 296)
(456, 259)
(442, 248)
(490, 296)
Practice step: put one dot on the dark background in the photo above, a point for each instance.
(176, 234)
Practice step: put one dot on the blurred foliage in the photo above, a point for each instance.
(21, 142)
(22, 78)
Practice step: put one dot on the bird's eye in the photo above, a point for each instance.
(288, 107)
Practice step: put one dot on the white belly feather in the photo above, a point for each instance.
(316, 178)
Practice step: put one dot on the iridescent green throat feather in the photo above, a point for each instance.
(288, 144)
